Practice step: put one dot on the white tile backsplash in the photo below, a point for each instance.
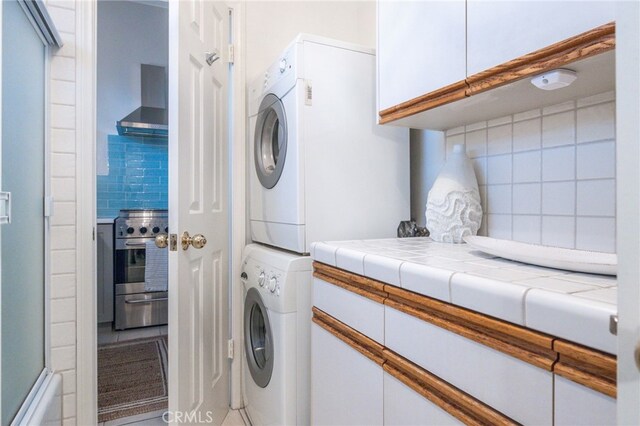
(499, 139)
(596, 122)
(547, 176)
(559, 164)
(527, 135)
(558, 129)
(596, 160)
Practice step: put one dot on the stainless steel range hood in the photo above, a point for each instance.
(150, 120)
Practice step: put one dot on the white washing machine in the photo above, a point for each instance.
(321, 166)
(277, 328)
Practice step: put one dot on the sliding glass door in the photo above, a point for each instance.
(22, 240)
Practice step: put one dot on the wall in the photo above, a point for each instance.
(138, 176)
(129, 34)
(62, 134)
(547, 176)
(272, 25)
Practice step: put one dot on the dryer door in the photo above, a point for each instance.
(258, 338)
(270, 141)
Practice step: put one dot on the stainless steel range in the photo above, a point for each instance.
(136, 307)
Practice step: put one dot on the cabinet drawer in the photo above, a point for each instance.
(358, 312)
(578, 405)
(517, 389)
(347, 387)
(404, 406)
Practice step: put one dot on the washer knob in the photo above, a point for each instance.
(283, 65)
(261, 278)
(273, 282)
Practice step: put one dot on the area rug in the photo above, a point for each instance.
(132, 378)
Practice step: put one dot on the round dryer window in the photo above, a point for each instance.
(270, 141)
(258, 338)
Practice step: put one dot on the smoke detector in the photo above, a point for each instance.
(554, 79)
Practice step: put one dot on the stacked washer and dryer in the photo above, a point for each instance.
(321, 169)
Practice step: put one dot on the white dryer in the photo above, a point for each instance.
(321, 168)
(277, 328)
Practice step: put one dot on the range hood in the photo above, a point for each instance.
(150, 120)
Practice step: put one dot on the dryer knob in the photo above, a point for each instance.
(273, 282)
(261, 279)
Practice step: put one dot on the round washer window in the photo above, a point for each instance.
(258, 338)
(270, 141)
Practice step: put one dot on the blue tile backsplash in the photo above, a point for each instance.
(138, 175)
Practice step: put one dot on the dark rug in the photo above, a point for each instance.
(132, 378)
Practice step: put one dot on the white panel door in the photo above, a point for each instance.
(198, 204)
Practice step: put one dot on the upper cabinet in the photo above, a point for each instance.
(499, 31)
(421, 48)
(439, 61)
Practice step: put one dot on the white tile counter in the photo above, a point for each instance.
(570, 305)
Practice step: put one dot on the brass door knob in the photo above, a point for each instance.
(162, 240)
(197, 241)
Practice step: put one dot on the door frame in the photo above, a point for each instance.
(87, 334)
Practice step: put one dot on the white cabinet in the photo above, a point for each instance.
(487, 374)
(499, 31)
(421, 48)
(578, 405)
(347, 387)
(404, 406)
(105, 272)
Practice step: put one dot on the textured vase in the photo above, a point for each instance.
(453, 204)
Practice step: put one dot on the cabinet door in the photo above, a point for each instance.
(421, 48)
(346, 386)
(404, 406)
(105, 272)
(499, 31)
(575, 404)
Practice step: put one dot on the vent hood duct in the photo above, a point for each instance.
(150, 120)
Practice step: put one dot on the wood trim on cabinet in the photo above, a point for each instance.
(588, 367)
(363, 344)
(582, 365)
(593, 42)
(358, 284)
(454, 401)
(598, 40)
(524, 344)
(446, 396)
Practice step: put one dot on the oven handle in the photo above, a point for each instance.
(135, 244)
(159, 299)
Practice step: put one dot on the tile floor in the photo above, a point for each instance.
(154, 418)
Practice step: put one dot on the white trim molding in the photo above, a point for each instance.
(86, 368)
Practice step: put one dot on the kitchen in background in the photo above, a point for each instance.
(132, 196)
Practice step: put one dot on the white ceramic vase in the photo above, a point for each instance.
(453, 204)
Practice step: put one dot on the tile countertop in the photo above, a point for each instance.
(570, 305)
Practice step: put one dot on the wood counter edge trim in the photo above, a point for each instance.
(588, 367)
(448, 397)
(595, 41)
(358, 341)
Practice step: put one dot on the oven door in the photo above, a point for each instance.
(130, 260)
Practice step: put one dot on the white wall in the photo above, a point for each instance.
(129, 34)
(272, 25)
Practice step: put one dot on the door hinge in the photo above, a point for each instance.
(230, 348)
(5, 198)
(231, 55)
(48, 206)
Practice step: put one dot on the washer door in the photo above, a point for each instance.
(270, 141)
(258, 338)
